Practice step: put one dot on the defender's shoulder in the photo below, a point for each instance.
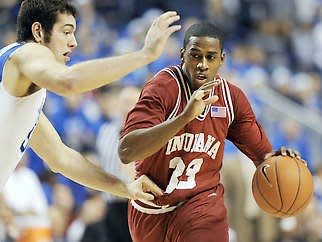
(30, 51)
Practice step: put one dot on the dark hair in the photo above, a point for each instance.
(43, 11)
(203, 30)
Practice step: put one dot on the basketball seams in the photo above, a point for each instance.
(278, 185)
(261, 193)
(298, 186)
(302, 206)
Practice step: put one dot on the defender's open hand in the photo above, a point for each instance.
(143, 188)
(159, 32)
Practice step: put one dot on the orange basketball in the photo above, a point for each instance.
(282, 186)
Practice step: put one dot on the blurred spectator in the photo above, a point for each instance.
(267, 38)
(281, 80)
(9, 230)
(300, 37)
(107, 148)
(88, 225)
(314, 220)
(289, 133)
(7, 3)
(270, 43)
(7, 16)
(23, 194)
(224, 14)
(61, 211)
(117, 12)
(306, 89)
(93, 34)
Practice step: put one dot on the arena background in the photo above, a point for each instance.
(274, 53)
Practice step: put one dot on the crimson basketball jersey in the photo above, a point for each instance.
(190, 162)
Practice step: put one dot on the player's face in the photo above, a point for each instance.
(62, 40)
(201, 60)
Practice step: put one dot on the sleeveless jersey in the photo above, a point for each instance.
(190, 162)
(18, 118)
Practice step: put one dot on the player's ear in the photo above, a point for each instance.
(37, 32)
(222, 57)
(182, 54)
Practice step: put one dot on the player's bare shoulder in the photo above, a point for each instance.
(30, 52)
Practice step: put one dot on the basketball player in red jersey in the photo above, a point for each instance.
(176, 135)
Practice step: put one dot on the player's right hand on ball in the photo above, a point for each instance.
(159, 32)
(198, 101)
(144, 188)
(283, 151)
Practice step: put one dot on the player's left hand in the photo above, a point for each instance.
(144, 188)
(159, 32)
(284, 152)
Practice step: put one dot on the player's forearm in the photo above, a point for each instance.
(82, 171)
(92, 74)
(70, 163)
(142, 143)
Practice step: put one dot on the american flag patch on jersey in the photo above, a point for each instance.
(218, 112)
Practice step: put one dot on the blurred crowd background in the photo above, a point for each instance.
(274, 53)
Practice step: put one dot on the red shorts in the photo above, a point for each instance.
(201, 218)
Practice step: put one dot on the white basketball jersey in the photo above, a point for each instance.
(18, 118)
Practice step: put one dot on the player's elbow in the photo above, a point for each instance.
(64, 88)
(53, 166)
(65, 84)
(126, 154)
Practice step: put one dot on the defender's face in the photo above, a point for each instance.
(62, 40)
(201, 60)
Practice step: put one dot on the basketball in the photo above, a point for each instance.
(282, 186)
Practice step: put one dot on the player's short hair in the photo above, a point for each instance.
(203, 30)
(43, 11)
